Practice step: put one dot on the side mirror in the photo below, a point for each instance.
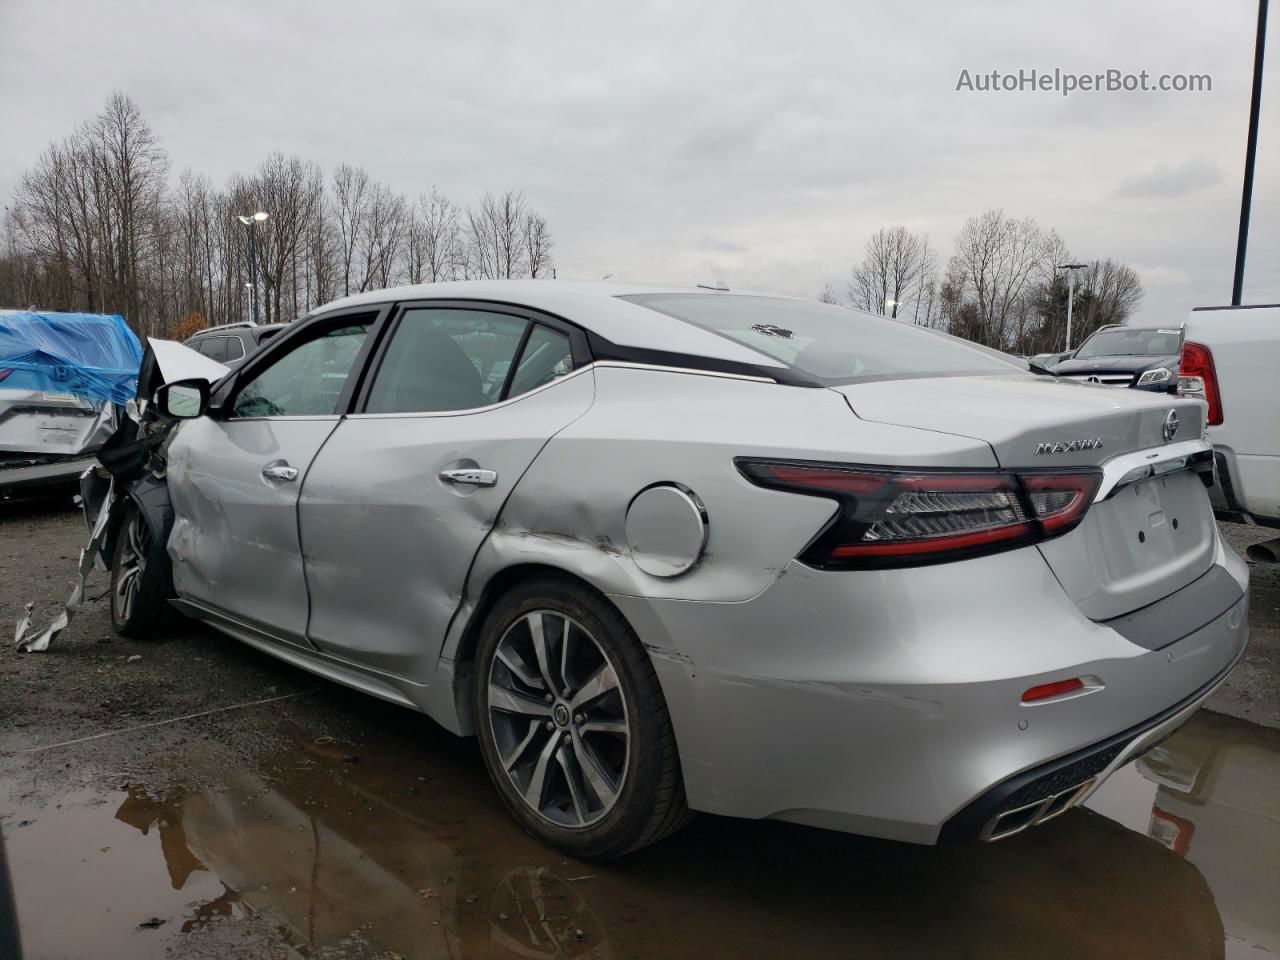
(183, 399)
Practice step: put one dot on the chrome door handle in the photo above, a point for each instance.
(476, 477)
(280, 471)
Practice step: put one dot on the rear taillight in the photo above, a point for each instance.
(1197, 378)
(5, 373)
(896, 518)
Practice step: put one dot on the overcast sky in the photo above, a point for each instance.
(755, 142)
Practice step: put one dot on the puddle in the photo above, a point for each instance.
(396, 848)
(1211, 795)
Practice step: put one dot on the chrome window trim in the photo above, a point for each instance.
(400, 415)
(622, 364)
(315, 416)
(1154, 461)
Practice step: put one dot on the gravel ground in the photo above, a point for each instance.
(240, 807)
(1252, 692)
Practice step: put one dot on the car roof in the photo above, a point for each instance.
(594, 305)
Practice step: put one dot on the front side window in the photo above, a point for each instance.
(306, 381)
(833, 345)
(446, 359)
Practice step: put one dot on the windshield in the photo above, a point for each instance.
(831, 344)
(1131, 343)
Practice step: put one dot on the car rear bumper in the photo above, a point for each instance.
(28, 478)
(1038, 795)
(888, 703)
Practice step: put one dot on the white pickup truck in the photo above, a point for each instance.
(1231, 360)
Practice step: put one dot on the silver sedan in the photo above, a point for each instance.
(665, 550)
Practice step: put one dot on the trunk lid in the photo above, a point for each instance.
(42, 423)
(1143, 543)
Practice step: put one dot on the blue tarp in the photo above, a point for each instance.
(92, 355)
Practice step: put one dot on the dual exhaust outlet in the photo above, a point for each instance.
(1008, 822)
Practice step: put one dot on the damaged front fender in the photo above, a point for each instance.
(132, 469)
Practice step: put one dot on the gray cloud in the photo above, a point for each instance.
(1171, 180)
(757, 141)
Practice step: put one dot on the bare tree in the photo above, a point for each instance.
(995, 268)
(381, 236)
(896, 267)
(350, 196)
(288, 190)
(95, 224)
(537, 244)
(828, 294)
(493, 233)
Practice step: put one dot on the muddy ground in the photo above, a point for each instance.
(285, 816)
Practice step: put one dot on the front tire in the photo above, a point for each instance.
(141, 584)
(572, 723)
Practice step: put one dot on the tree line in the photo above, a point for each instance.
(1004, 286)
(98, 224)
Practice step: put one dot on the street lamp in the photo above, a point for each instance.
(891, 307)
(1071, 269)
(251, 221)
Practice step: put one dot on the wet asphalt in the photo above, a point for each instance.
(238, 807)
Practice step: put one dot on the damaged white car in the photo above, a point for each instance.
(64, 379)
(665, 550)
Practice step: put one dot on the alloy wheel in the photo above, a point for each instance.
(559, 719)
(133, 564)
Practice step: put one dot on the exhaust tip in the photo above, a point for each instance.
(1268, 551)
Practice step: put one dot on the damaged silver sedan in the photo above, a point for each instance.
(665, 550)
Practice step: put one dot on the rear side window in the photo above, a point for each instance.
(215, 348)
(547, 355)
(445, 359)
(234, 348)
(830, 344)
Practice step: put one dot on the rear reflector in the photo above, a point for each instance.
(892, 517)
(1055, 689)
(1198, 378)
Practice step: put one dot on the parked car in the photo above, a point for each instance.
(1048, 360)
(231, 343)
(696, 550)
(1145, 358)
(1230, 360)
(63, 377)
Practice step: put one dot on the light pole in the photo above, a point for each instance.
(1250, 154)
(1071, 269)
(251, 221)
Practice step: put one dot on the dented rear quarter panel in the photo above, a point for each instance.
(653, 426)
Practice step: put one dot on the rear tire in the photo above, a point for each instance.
(141, 582)
(591, 771)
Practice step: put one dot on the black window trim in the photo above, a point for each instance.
(222, 404)
(578, 344)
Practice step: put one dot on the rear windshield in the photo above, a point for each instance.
(1131, 343)
(831, 344)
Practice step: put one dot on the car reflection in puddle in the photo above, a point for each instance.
(1211, 794)
(316, 856)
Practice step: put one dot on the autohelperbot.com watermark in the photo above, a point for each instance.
(1067, 82)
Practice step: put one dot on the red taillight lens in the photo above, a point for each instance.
(1055, 689)
(1197, 378)
(891, 517)
(5, 373)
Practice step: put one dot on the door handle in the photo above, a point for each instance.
(280, 471)
(475, 476)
